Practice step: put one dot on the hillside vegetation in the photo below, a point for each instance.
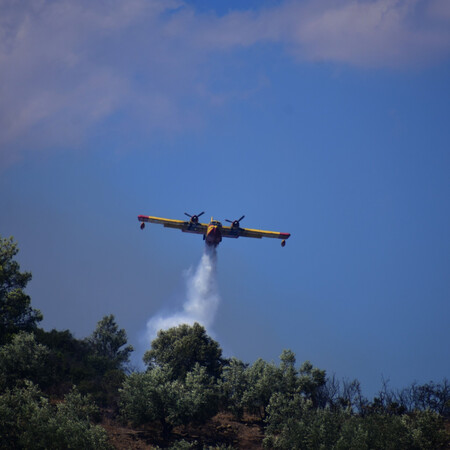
(60, 392)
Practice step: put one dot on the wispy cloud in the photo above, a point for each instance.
(381, 33)
(67, 66)
(364, 33)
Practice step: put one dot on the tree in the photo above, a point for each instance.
(263, 380)
(288, 371)
(293, 422)
(23, 359)
(107, 341)
(70, 426)
(433, 396)
(108, 355)
(155, 396)
(233, 383)
(427, 429)
(152, 396)
(73, 362)
(201, 395)
(310, 381)
(28, 420)
(16, 313)
(180, 348)
(70, 358)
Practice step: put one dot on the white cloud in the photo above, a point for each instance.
(67, 66)
(382, 33)
(363, 33)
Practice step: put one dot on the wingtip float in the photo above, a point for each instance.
(214, 231)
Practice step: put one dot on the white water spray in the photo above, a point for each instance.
(201, 302)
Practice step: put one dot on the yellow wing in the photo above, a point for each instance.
(183, 225)
(234, 232)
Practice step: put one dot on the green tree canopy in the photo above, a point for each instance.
(201, 395)
(28, 420)
(155, 396)
(107, 341)
(311, 380)
(263, 380)
(233, 384)
(23, 359)
(152, 396)
(180, 348)
(288, 371)
(16, 314)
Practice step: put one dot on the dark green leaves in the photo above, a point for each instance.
(16, 313)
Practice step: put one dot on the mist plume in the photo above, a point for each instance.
(202, 298)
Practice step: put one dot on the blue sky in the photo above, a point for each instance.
(328, 120)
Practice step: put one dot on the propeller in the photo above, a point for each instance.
(235, 223)
(195, 217)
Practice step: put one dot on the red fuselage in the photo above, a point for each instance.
(213, 235)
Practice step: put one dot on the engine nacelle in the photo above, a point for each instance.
(194, 219)
(142, 225)
(235, 223)
(283, 242)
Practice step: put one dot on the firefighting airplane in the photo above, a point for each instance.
(214, 231)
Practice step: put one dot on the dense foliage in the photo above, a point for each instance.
(28, 420)
(52, 385)
(23, 359)
(107, 341)
(181, 348)
(294, 423)
(16, 313)
(155, 396)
